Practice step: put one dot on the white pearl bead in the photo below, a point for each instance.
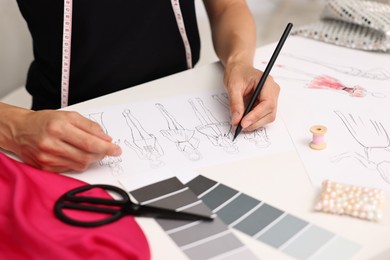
(362, 202)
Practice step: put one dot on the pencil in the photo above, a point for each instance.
(264, 77)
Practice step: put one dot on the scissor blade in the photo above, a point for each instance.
(157, 212)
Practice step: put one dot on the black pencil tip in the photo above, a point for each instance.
(238, 130)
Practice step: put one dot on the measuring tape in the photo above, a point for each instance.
(182, 30)
(67, 39)
(66, 44)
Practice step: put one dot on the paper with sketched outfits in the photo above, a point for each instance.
(180, 133)
(350, 98)
(187, 132)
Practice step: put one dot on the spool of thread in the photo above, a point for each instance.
(318, 140)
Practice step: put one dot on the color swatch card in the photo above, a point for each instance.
(197, 239)
(275, 227)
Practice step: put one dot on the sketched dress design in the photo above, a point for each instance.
(331, 83)
(374, 73)
(113, 162)
(219, 133)
(374, 139)
(144, 144)
(259, 136)
(184, 139)
(328, 82)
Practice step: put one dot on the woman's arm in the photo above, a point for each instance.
(53, 140)
(234, 38)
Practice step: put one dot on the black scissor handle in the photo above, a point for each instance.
(70, 200)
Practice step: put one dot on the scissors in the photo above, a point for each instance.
(113, 208)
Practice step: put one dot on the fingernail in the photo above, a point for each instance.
(118, 151)
(246, 124)
(106, 137)
(235, 117)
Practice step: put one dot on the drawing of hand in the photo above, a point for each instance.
(367, 132)
(384, 170)
(377, 73)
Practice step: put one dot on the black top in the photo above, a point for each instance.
(116, 44)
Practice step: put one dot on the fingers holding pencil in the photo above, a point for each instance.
(263, 79)
(265, 106)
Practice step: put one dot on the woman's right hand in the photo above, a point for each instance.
(52, 140)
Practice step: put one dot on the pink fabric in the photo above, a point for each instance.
(30, 230)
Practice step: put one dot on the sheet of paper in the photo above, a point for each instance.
(177, 134)
(322, 84)
(347, 91)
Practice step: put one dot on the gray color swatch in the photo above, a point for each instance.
(282, 231)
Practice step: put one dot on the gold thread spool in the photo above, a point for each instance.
(318, 141)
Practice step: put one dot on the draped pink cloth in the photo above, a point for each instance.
(30, 230)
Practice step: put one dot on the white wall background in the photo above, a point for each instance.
(16, 50)
(15, 47)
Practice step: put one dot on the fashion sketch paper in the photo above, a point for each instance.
(347, 91)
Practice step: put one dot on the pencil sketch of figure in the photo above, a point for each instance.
(259, 136)
(373, 138)
(331, 83)
(113, 162)
(375, 73)
(219, 133)
(328, 82)
(184, 139)
(223, 99)
(144, 144)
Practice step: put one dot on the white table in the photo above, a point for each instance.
(280, 180)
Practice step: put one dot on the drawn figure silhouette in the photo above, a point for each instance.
(330, 83)
(259, 136)
(144, 144)
(373, 137)
(113, 162)
(223, 99)
(184, 139)
(219, 133)
(374, 73)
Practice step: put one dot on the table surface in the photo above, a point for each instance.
(284, 185)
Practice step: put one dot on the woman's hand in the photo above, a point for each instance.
(234, 37)
(53, 140)
(241, 81)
